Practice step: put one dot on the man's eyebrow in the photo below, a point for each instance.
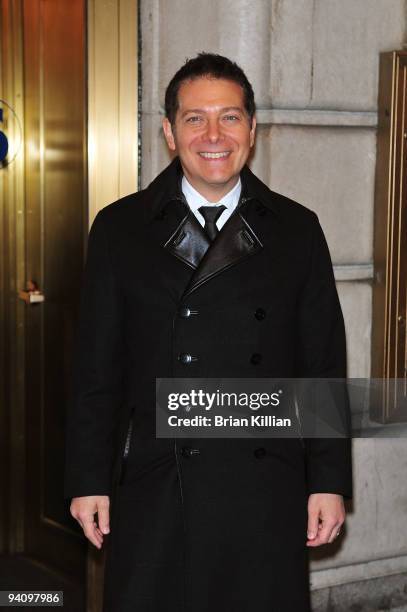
(202, 110)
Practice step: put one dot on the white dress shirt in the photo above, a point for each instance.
(196, 200)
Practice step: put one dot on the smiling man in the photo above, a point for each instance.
(213, 140)
(206, 273)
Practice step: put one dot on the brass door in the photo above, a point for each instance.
(47, 202)
(45, 221)
(56, 225)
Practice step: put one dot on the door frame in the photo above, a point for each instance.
(12, 278)
(113, 101)
(113, 142)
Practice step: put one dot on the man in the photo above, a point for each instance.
(206, 273)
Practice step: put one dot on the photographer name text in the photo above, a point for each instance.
(229, 421)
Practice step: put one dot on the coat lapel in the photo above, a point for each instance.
(234, 243)
(182, 236)
(189, 243)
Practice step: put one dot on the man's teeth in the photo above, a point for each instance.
(214, 155)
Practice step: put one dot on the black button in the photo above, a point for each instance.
(187, 452)
(260, 314)
(259, 453)
(185, 358)
(184, 312)
(255, 358)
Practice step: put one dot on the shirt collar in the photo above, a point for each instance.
(196, 199)
(166, 187)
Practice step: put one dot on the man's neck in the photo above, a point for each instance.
(215, 194)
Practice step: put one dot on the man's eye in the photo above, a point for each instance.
(194, 119)
(231, 118)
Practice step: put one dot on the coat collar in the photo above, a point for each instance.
(181, 235)
(166, 187)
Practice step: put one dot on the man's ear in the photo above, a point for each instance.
(253, 131)
(169, 136)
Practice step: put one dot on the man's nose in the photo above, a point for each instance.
(213, 131)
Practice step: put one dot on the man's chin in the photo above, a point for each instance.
(218, 178)
(215, 178)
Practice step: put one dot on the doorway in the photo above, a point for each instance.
(44, 222)
(69, 145)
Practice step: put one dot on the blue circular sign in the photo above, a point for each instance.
(10, 134)
(3, 146)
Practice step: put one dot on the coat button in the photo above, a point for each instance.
(186, 358)
(260, 314)
(184, 312)
(187, 452)
(259, 453)
(256, 358)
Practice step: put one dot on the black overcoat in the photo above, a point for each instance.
(221, 527)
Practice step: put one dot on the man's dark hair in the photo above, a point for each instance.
(209, 65)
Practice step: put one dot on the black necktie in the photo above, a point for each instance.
(211, 214)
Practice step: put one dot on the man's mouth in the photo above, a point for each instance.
(207, 155)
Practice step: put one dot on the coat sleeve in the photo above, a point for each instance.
(97, 382)
(322, 354)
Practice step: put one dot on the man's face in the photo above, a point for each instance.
(212, 134)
